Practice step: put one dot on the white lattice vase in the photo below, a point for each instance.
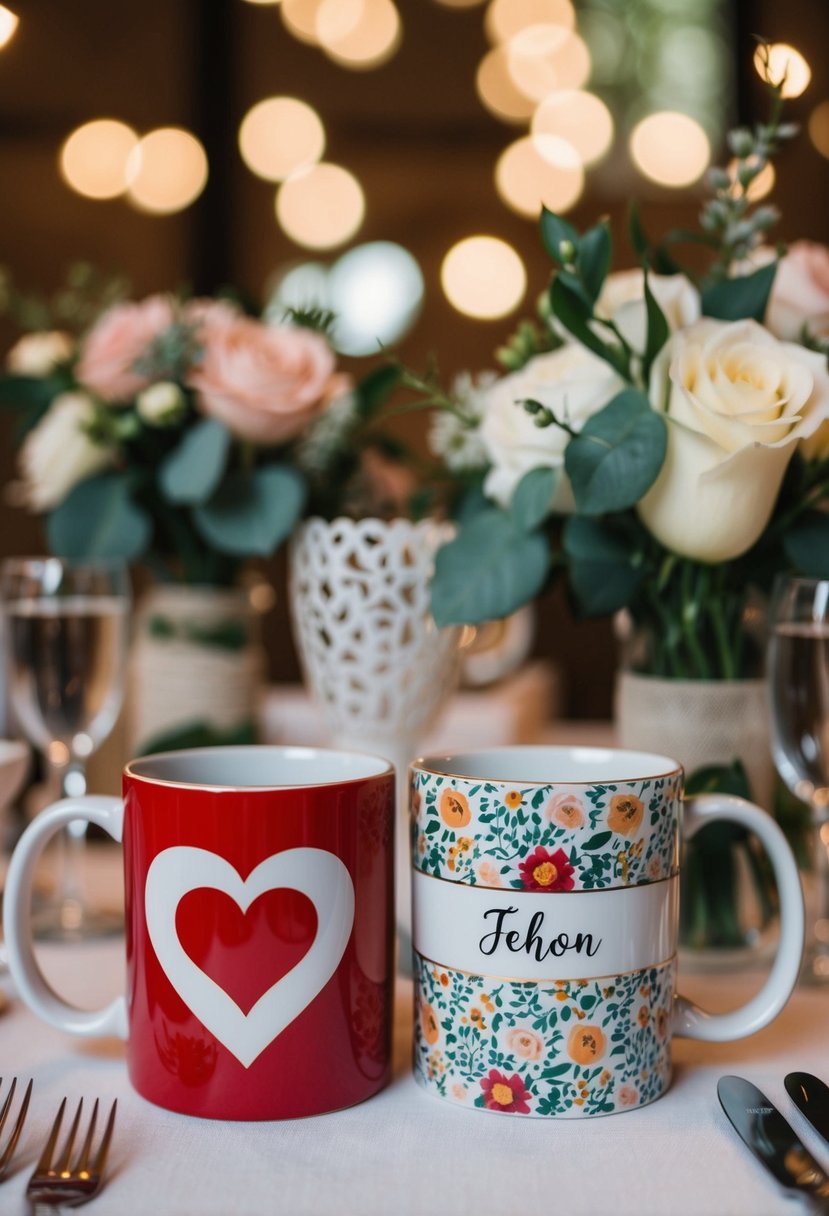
(196, 668)
(372, 655)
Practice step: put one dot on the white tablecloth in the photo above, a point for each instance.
(409, 1154)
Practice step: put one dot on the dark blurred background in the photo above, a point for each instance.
(415, 133)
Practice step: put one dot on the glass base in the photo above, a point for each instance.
(72, 922)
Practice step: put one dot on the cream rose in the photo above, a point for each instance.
(574, 384)
(40, 353)
(264, 382)
(58, 453)
(800, 294)
(622, 300)
(738, 401)
(116, 342)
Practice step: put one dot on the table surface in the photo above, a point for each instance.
(404, 1151)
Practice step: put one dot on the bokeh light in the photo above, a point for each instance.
(300, 18)
(358, 33)
(506, 18)
(819, 128)
(376, 290)
(537, 170)
(542, 58)
(483, 277)
(670, 148)
(459, 3)
(93, 159)
(497, 89)
(785, 59)
(321, 206)
(580, 118)
(279, 135)
(760, 186)
(9, 22)
(167, 171)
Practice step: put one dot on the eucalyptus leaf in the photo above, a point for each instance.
(807, 545)
(190, 473)
(658, 331)
(488, 571)
(533, 497)
(594, 256)
(374, 390)
(251, 514)
(98, 519)
(604, 573)
(554, 231)
(741, 298)
(616, 457)
(574, 314)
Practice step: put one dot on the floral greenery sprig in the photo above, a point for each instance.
(611, 458)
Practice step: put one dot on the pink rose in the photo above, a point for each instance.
(800, 295)
(488, 875)
(264, 382)
(206, 316)
(116, 341)
(566, 810)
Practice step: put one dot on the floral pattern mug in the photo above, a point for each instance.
(545, 913)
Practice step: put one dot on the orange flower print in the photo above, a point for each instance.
(513, 799)
(662, 1024)
(523, 1042)
(643, 1016)
(488, 875)
(586, 1044)
(486, 1002)
(625, 814)
(429, 1025)
(655, 869)
(566, 810)
(605, 1077)
(464, 844)
(628, 1095)
(454, 809)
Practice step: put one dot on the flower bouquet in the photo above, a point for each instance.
(660, 442)
(189, 437)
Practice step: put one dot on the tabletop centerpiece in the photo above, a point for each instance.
(661, 443)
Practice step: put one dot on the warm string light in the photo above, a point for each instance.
(670, 148)
(9, 22)
(320, 206)
(279, 135)
(93, 158)
(483, 277)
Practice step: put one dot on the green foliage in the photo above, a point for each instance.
(533, 496)
(807, 545)
(605, 572)
(744, 297)
(98, 519)
(616, 457)
(252, 512)
(489, 570)
(191, 472)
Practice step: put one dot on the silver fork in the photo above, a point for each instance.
(14, 1134)
(55, 1183)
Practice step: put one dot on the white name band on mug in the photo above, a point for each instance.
(528, 935)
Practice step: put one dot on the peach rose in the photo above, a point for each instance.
(488, 875)
(628, 1096)
(454, 809)
(586, 1044)
(800, 295)
(429, 1024)
(625, 815)
(524, 1043)
(117, 341)
(263, 382)
(566, 810)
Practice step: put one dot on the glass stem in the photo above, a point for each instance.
(72, 843)
(817, 909)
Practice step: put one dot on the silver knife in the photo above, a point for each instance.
(773, 1141)
(811, 1097)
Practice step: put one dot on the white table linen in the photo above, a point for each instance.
(404, 1152)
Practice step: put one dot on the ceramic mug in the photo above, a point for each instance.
(259, 928)
(546, 889)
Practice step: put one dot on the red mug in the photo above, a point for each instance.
(259, 928)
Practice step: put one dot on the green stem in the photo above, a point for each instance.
(690, 615)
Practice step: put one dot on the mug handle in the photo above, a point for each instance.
(107, 813)
(688, 1019)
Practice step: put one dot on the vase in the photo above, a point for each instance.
(196, 669)
(372, 656)
(728, 901)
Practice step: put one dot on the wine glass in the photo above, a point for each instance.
(66, 638)
(798, 669)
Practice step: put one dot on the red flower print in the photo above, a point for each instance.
(508, 1094)
(545, 871)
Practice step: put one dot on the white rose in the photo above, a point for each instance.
(800, 294)
(622, 300)
(162, 404)
(39, 354)
(58, 453)
(738, 401)
(571, 382)
(816, 446)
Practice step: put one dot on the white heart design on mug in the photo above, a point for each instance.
(319, 875)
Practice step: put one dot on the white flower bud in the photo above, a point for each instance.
(162, 404)
(39, 354)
